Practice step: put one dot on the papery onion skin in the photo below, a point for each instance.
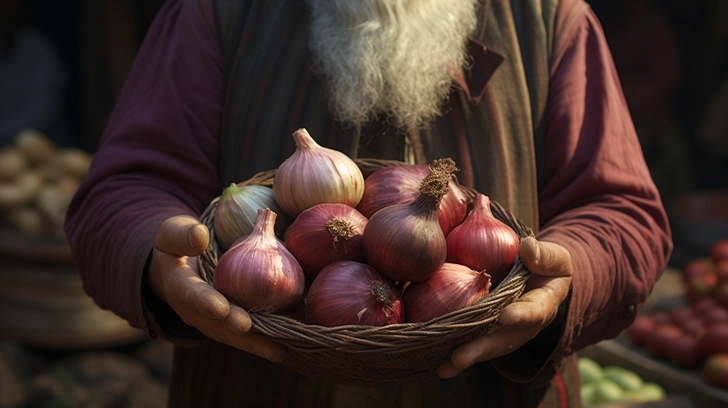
(452, 287)
(326, 233)
(353, 293)
(258, 272)
(314, 174)
(484, 242)
(400, 185)
(404, 241)
(237, 210)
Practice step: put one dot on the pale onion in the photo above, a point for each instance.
(404, 241)
(258, 272)
(484, 242)
(352, 293)
(326, 233)
(237, 210)
(451, 288)
(315, 175)
(401, 185)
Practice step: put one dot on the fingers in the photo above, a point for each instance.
(206, 301)
(176, 281)
(539, 305)
(497, 343)
(545, 258)
(182, 236)
(259, 345)
(239, 320)
(519, 322)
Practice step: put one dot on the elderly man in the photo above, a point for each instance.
(522, 95)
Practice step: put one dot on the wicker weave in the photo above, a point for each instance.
(370, 356)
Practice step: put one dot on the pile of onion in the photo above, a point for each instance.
(355, 242)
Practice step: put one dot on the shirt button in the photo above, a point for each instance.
(630, 309)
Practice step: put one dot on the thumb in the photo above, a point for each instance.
(182, 235)
(545, 258)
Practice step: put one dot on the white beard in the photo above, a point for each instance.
(390, 58)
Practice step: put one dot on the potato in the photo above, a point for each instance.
(72, 161)
(26, 219)
(68, 185)
(12, 163)
(53, 202)
(21, 191)
(36, 146)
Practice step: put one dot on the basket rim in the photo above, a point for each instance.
(352, 354)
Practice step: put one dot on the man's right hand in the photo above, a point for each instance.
(174, 277)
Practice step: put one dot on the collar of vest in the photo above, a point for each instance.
(484, 62)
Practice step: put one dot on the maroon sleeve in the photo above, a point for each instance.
(597, 200)
(157, 158)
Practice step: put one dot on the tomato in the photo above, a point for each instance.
(715, 370)
(704, 305)
(684, 351)
(701, 286)
(715, 340)
(661, 337)
(718, 315)
(719, 250)
(697, 267)
(721, 294)
(639, 331)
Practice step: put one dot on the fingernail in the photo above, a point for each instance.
(536, 251)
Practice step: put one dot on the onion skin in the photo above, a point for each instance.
(353, 293)
(414, 256)
(258, 272)
(400, 185)
(326, 233)
(314, 175)
(484, 242)
(404, 241)
(237, 210)
(451, 288)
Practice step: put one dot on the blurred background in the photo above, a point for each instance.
(62, 65)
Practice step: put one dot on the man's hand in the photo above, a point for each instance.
(174, 277)
(524, 319)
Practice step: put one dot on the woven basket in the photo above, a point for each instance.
(370, 356)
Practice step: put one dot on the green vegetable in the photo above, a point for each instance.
(607, 391)
(589, 370)
(626, 379)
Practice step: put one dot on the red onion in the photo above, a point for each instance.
(483, 242)
(258, 272)
(400, 185)
(352, 293)
(326, 233)
(404, 241)
(451, 288)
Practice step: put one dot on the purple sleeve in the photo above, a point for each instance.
(597, 200)
(157, 158)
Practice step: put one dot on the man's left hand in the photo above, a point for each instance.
(551, 268)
